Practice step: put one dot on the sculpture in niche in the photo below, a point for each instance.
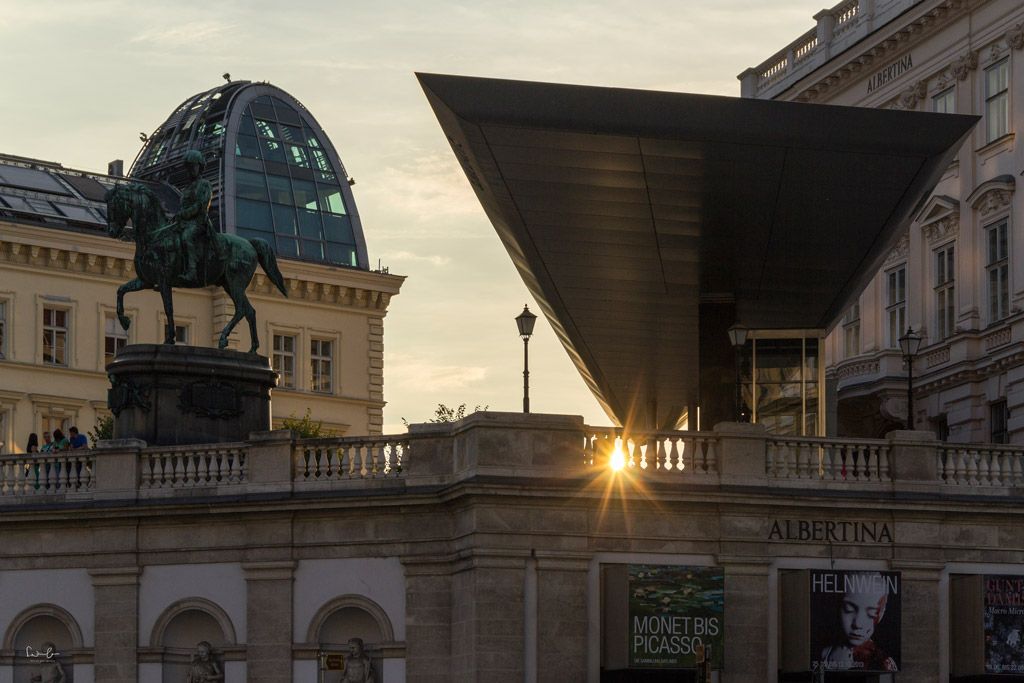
(204, 668)
(358, 668)
(50, 670)
(187, 252)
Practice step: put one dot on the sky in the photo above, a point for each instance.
(82, 79)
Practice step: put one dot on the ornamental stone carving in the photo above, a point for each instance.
(1015, 37)
(937, 231)
(899, 251)
(964, 64)
(909, 97)
(993, 201)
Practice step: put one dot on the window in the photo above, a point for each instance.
(998, 272)
(940, 425)
(999, 415)
(115, 337)
(896, 304)
(181, 335)
(3, 330)
(945, 292)
(320, 361)
(945, 101)
(284, 359)
(997, 100)
(55, 336)
(851, 331)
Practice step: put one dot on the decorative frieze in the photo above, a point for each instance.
(997, 339)
(942, 229)
(864, 367)
(992, 202)
(899, 252)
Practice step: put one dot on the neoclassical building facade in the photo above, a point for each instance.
(957, 276)
(59, 271)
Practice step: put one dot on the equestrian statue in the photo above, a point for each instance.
(186, 251)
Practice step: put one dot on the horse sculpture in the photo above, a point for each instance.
(227, 261)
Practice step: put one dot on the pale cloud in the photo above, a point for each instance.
(420, 374)
(432, 259)
(193, 33)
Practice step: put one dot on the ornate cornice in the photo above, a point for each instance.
(899, 42)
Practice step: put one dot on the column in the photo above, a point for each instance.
(116, 623)
(269, 621)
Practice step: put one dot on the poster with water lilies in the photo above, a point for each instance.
(674, 611)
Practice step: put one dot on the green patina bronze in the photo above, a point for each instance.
(186, 251)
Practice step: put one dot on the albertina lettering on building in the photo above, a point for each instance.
(830, 531)
(894, 70)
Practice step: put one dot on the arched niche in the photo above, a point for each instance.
(189, 621)
(32, 631)
(350, 616)
(181, 627)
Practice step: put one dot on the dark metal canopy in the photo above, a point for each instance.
(631, 213)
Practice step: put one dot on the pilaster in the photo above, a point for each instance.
(116, 624)
(269, 587)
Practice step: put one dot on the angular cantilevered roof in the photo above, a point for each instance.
(625, 210)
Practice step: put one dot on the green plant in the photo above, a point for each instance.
(103, 430)
(445, 414)
(305, 427)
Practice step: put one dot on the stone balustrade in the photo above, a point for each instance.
(511, 446)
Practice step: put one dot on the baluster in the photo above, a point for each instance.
(873, 464)
(178, 474)
(147, 472)
(828, 463)
(947, 466)
(364, 457)
(961, 466)
(1015, 463)
(643, 452)
(995, 472)
(377, 451)
(883, 463)
(70, 474)
(972, 467)
(90, 463)
(588, 449)
(984, 465)
(710, 457)
(14, 478)
(792, 459)
(769, 458)
(243, 464)
(674, 454)
(191, 469)
(5, 476)
(159, 476)
(223, 458)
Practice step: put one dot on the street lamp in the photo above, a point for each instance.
(738, 337)
(910, 344)
(525, 322)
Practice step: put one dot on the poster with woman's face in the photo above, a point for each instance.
(855, 620)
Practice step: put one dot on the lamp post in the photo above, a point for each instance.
(910, 344)
(525, 322)
(738, 337)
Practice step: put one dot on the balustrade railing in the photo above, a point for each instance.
(340, 459)
(193, 466)
(676, 452)
(975, 465)
(46, 474)
(822, 459)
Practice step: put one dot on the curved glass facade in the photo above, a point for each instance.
(275, 174)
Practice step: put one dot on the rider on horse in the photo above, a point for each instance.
(195, 231)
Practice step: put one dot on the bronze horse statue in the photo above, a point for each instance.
(162, 260)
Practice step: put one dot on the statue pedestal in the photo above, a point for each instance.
(177, 395)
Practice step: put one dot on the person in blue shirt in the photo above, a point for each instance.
(77, 440)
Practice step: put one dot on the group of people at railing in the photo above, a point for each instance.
(56, 442)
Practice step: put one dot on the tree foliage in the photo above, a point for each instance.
(102, 431)
(306, 427)
(445, 414)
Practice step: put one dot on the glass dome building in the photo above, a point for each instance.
(274, 172)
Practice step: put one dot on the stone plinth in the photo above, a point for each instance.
(176, 395)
